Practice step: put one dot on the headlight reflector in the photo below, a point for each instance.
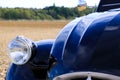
(20, 50)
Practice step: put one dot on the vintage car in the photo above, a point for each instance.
(87, 48)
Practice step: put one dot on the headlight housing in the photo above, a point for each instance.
(20, 50)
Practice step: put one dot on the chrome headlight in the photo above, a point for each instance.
(20, 50)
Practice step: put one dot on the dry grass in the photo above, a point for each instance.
(35, 30)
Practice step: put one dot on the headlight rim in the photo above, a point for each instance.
(28, 43)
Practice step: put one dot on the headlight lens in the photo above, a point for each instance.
(20, 50)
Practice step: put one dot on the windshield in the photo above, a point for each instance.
(109, 5)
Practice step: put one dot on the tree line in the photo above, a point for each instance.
(47, 13)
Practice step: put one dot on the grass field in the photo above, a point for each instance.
(35, 30)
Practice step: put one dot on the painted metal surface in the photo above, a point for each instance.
(88, 43)
(82, 48)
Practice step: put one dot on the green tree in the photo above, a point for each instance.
(50, 13)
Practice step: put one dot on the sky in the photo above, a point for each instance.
(43, 3)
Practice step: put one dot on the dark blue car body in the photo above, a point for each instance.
(88, 43)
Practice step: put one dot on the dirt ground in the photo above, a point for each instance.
(35, 30)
